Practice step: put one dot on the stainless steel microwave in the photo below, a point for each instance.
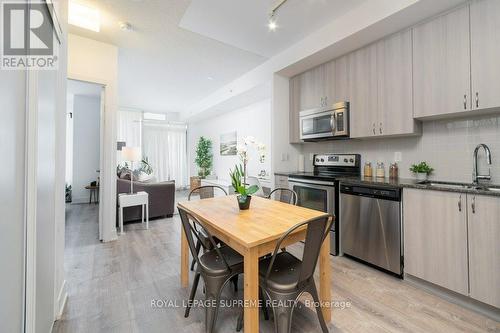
(325, 123)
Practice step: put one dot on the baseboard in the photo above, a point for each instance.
(453, 297)
(61, 300)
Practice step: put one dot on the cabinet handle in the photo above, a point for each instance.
(374, 129)
(473, 205)
(477, 99)
(326, 100)
(380, 128)
(465, 102)
(460, 203)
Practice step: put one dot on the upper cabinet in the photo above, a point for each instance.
(363, 92)
(381, 88)
(312, 88)
(441, 66)
(455, 61)
(485, 53)
(395, 96)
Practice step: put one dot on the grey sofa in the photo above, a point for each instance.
(161, 199)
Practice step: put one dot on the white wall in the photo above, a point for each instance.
(93, 61)
(254, 120)
(86, 145)
(12, 194)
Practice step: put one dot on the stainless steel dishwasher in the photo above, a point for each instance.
(370, 225)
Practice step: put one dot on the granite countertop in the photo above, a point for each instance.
(284, 173)
(428, 185)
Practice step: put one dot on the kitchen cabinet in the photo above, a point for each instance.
(441, 65)
(294, 109)
(280, 181)
(435, 237)
(484, 248)
(312, 88)
(339, 88)
(363, 91)
(485, 53)
(395, 96)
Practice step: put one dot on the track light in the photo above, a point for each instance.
(272, 25)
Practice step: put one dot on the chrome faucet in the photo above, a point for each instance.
(475, 176)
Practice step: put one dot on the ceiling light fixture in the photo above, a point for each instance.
(272, 25)
(84, 16)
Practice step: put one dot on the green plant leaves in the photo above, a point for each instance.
(421, 167)
(204, 156)
(252, 189)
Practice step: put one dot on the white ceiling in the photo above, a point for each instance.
(81, 88)
(164, 68)
(243, 23)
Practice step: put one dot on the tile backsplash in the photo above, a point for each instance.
(447, 145)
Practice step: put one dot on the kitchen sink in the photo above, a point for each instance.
(461, 186)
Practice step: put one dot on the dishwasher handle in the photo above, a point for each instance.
(391, 194)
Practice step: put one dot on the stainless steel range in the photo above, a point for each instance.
(319, 189)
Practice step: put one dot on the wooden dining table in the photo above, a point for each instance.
(254, 233)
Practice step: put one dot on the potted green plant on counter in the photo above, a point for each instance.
(422, 170)
(245, 193)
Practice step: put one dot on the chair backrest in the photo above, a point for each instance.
(285, 195)
(317, 229)
(192, 227)
(206, 191)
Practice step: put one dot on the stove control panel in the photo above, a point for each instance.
(349, 160)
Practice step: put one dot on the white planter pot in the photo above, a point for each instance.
(421, 176)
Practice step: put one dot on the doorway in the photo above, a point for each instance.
(84, 152)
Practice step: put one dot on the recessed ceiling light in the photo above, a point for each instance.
(210, 78)
(84, 16)
(125, 26)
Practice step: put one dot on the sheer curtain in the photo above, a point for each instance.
(165, 147)
(129, 129)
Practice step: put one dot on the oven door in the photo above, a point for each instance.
(316, 125)
(318, 195)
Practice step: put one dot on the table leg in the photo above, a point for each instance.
(251, 291)
(90, 197)
(184, 260)
(325, 278)
(142, 214)
(147, 216)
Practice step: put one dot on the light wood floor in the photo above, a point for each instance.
(111, 286)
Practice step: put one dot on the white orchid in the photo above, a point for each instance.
(249, 140)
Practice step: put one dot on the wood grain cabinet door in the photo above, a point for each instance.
(485, 53)
(341, 80)
(294, 105)
(441, 65)
(395, 100)
(484, 248)
(363, 90)
(435, 237)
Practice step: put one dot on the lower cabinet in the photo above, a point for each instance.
(435, 237)
(484, 248)
(452, 240)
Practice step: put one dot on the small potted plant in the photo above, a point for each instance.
(245, 193)
(422, 170)
(239, 172)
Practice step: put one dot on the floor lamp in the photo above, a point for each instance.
(131, 154)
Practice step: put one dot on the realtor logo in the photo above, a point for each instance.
(27, 36)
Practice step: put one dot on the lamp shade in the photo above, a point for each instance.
(132, 154)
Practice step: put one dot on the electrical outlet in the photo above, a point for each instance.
(398, 157)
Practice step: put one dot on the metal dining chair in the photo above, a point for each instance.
(283, 277)
(205, 192)
(216, 266)
(285, 195)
